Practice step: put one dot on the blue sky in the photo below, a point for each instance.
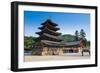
(67, 22)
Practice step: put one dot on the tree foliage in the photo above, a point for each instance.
(82, 34)
(29, 42)
(76, 35)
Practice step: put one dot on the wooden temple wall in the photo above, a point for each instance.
(72, 50)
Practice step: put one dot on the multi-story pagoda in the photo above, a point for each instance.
(48, 42)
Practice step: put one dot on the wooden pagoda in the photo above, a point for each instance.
(48, 42)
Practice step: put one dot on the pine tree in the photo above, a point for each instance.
(76, 35)
(82, 34)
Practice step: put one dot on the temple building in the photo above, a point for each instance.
(49, 41)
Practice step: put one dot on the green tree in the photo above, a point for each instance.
(76, 35)
(28, 42)
(88, 44)
(82, 34)
(82, 37)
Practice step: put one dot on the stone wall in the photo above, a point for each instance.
(52, 51)
(56, 51)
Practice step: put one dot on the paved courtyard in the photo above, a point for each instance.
(67, 56)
